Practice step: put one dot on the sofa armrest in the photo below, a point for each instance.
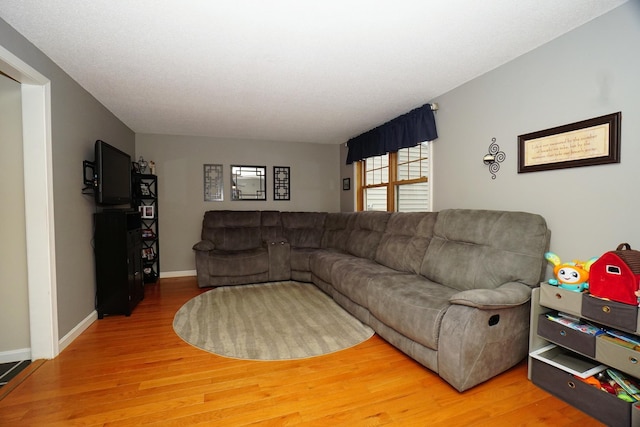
(204, 246)
(477, 344)
(508, 295)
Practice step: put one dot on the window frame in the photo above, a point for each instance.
(393, 180)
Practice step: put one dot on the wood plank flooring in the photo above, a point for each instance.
(131, 371)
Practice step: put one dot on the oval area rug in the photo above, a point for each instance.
(272, 321)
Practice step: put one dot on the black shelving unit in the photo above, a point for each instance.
(145, 200)
(118, 245)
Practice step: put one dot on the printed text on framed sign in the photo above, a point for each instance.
(589, 142)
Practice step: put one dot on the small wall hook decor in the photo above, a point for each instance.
(494, 158)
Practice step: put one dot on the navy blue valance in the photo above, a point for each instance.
(407, 130)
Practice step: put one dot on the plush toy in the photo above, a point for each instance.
(573, 275)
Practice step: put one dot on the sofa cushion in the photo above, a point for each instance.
(238, 263)
(303, 229)
(232, 230)
(477, 249)
(366, 232)
(270, 226)
(405, 240)
(410, 304)
(300, 258)
(225, 218)
(350, 276)
(336, 230)
(237, 239)
(321, 262)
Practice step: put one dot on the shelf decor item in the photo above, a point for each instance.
(148, 233)
(144, 189)
(148, 254)
(147, 212)
(143, 165)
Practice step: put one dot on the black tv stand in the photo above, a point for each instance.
(116, 210)
(118, 258)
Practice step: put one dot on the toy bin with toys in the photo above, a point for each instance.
(572, 357)
(585, 335)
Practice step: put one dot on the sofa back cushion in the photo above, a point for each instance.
(478, 249)
(366, 232)
(232, 230)
(270, 225)
(336, 230)
(405, 240)
(303, 229)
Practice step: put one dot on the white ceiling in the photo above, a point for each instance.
(288, 70)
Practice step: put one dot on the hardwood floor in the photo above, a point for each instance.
(130, 371)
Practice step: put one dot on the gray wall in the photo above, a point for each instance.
(14, 307)
(77, 120)
(591, 71)
(179, 160)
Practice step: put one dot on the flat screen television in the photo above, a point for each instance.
(112, 175)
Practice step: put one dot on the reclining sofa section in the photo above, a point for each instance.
(450, 289)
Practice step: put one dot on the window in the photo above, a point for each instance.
(396, 181)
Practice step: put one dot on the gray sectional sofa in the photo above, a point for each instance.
(450, 289)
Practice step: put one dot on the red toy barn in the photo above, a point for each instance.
(616, 275)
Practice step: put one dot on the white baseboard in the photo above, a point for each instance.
(15, 355)
(186, 273)
(75, 332)
(25, 353)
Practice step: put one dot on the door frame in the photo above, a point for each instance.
(39, 213)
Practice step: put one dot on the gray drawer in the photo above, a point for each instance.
(610, 313)
(601, 405)
(567, 337)
(622, 358)
(561, 299)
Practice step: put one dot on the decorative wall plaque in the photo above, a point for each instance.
(213, 183)
(589, 142)
(281, 183)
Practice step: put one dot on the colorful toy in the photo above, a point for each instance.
(616, 275)
(573, 276)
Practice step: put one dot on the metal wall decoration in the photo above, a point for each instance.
(213, 183)
(494, 158)
(281, 183)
